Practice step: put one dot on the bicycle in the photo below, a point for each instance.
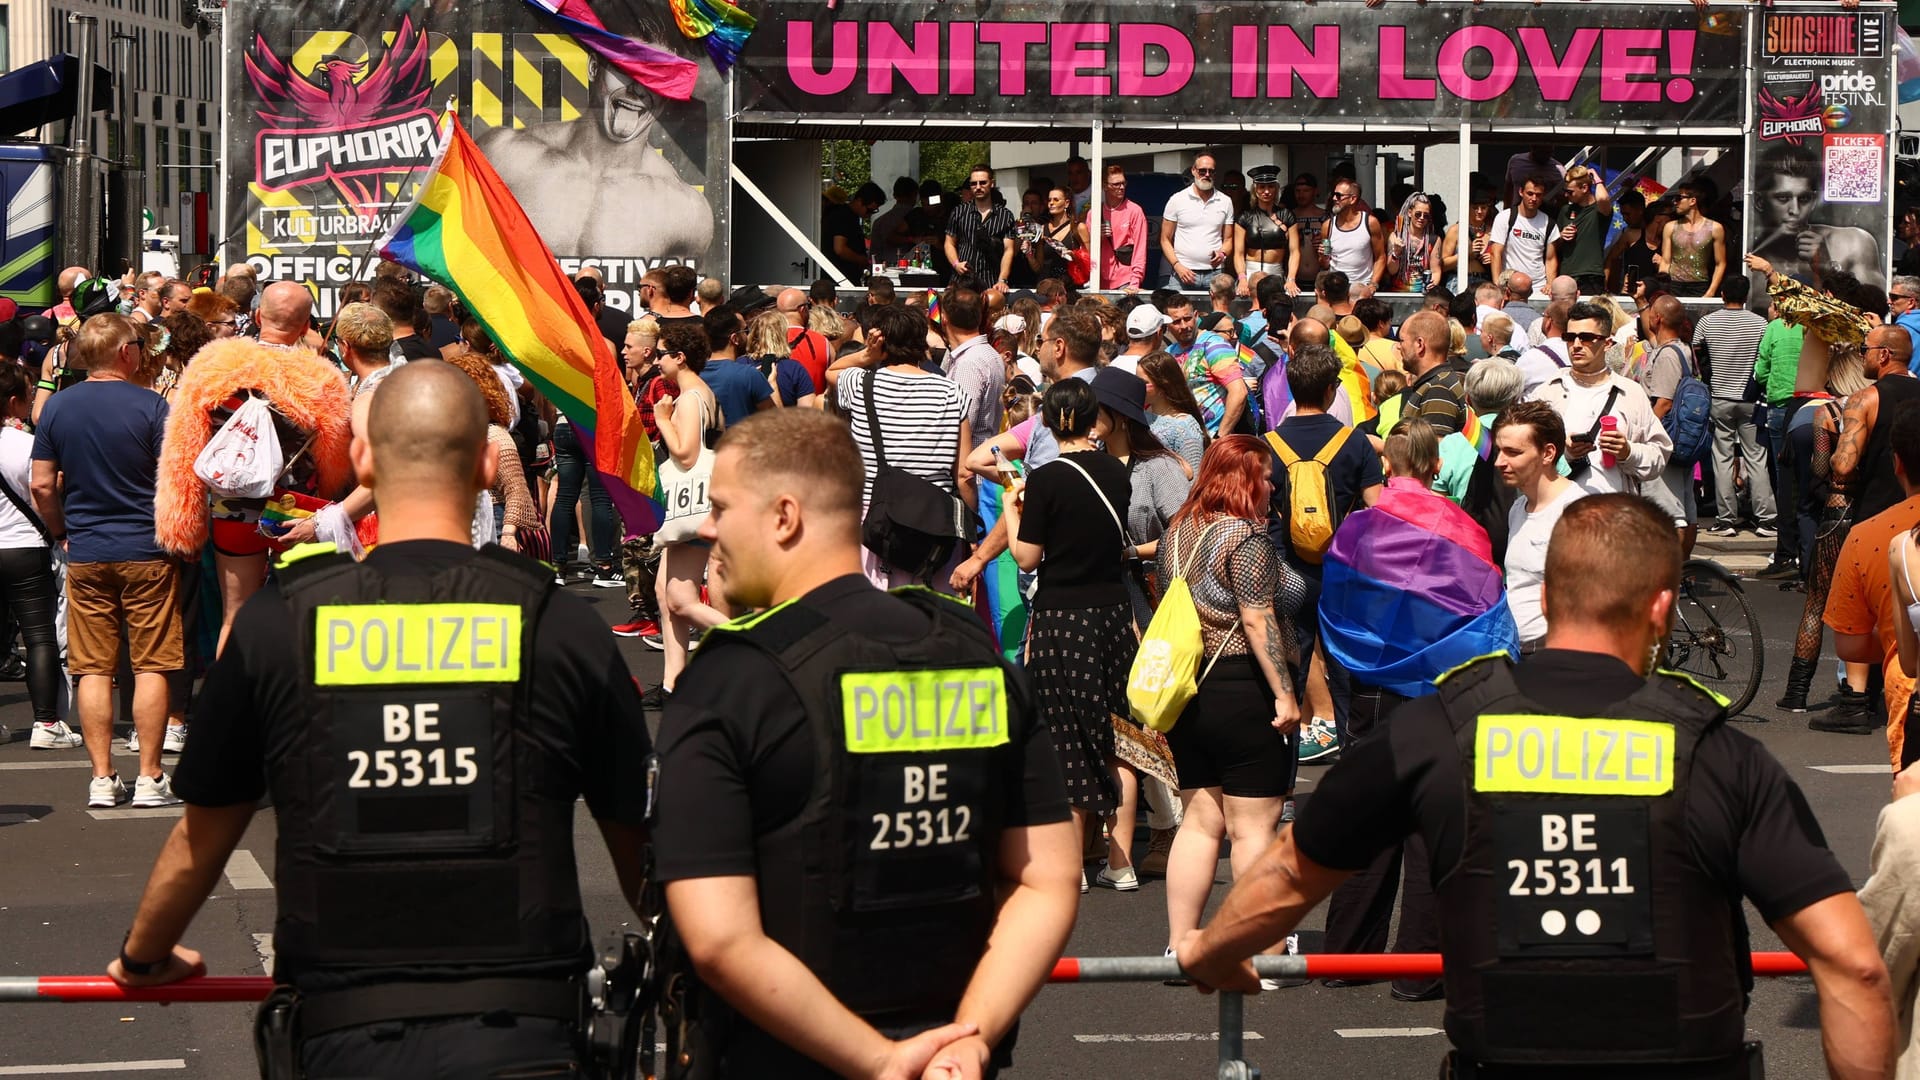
(1716, 637)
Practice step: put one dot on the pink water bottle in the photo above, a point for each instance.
(1608, 423)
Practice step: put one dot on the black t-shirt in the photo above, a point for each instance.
(1085, 551)
(445, 332)
(1751, 828)
(613, 325)
(415, 347)
(737, 762)
(585, 712)
(1353, 469)
(839, 220)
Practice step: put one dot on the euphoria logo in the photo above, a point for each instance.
(345, 122)
(1792, 118)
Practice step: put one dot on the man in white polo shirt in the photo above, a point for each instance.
(1196, 229)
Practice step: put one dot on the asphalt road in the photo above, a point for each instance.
(70, 879)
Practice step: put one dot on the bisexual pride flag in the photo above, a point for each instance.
(1410, 590)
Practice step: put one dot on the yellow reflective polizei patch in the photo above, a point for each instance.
(384, 644)
(1566, 755)
(930, 710)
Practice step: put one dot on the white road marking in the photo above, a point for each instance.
(128, 813)
(1386, 1033)
(1162, 1037)
(1881, 769)
(152, 1065)
(58, 763)
(243, 871)
(263, 945)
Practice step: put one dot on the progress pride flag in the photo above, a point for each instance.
(1638, 66)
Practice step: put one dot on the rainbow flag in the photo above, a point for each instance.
(1410, 590)
(465, 230)
(659, 70)
(723, 27)
(1004, 609)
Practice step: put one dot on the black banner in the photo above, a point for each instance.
(1821, 162)
(331, 129)
(1247, 61)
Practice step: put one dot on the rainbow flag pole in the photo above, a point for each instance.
(465, 230)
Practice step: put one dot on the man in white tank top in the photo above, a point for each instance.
(1352, 241)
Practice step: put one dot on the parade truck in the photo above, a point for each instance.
(51, 192)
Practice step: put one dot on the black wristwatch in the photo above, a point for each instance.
(134, 967)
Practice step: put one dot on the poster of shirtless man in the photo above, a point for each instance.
(333, 130)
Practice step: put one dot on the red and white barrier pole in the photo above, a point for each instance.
(18, 989)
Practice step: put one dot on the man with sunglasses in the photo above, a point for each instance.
(1196, 228)
(979, 234)
(1604, 459)
(1903, 298)
(809, 348)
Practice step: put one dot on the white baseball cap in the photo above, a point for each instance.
(1145, 321)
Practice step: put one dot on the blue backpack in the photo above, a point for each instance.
(1690, 422)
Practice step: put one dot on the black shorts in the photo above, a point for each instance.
(1225, 737)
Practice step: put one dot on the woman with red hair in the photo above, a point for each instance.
(1234, 744)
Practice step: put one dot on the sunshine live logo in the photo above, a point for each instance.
(1822, 35)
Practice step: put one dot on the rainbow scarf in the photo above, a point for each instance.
(724, 27)
(652, 67)
(465, 230)
(1410, 590)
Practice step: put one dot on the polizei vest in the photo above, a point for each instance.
(1579, 927)
(883, 886)
(414, 833)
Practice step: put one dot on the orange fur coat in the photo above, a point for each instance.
(305, 388)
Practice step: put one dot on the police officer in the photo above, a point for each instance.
(1592, 829)
(862, 829)
(424, 721)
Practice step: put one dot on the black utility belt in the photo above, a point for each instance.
(1748, 1064)
(336, 1010)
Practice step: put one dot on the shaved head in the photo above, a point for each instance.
(72, 276)
(427, 429)
(1321, 313)
(790, 300)
(285, 308)
(1563, 288)
(1307, 332)
(1671, 312)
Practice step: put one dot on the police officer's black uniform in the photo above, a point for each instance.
(1589, 874)
(858, 753)
(425, 720)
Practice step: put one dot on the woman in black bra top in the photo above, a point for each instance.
(1261, 238)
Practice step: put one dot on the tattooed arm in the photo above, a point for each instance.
(1268, 644)
(1849, 447)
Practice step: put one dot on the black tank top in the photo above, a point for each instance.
(1881, 490)
(1636, 261)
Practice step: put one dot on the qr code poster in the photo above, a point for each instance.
(1856, 168)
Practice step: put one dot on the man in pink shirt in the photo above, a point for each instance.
(1122, 228)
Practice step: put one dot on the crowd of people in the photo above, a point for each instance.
(1355, 503)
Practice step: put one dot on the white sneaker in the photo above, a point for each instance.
(1124, 880)
(148, 792)
(176, 739)
(133, 742)
(54, 736)
(106, 791)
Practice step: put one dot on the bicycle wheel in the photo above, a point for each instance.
(1716, 636)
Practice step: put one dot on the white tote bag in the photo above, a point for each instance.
(683, 491)
(243, 459)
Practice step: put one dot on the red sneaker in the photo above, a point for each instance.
(641, 626)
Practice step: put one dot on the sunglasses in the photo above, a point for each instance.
(979, 183)
(1587, 339)
(1203, 172)
(1902, 296)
